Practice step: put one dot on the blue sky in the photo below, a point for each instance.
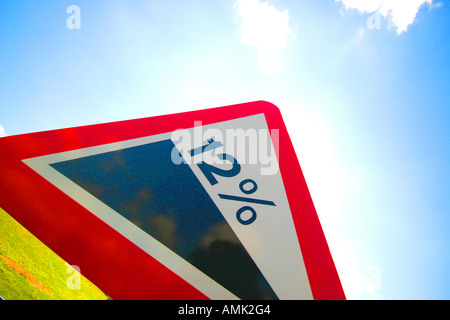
(363, 87)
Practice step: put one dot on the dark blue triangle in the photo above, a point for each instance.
(168, 202)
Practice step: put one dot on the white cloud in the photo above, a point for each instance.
(401, 13)
(2, 132)
(264, 28)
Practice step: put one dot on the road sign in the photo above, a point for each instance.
(209, 204)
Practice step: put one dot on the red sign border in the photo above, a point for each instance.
(119, 267)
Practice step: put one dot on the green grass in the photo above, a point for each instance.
(29, 270)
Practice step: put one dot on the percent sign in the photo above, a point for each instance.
(210, 171)
(246, 199)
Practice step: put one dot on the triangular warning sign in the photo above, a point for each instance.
(203, 204)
